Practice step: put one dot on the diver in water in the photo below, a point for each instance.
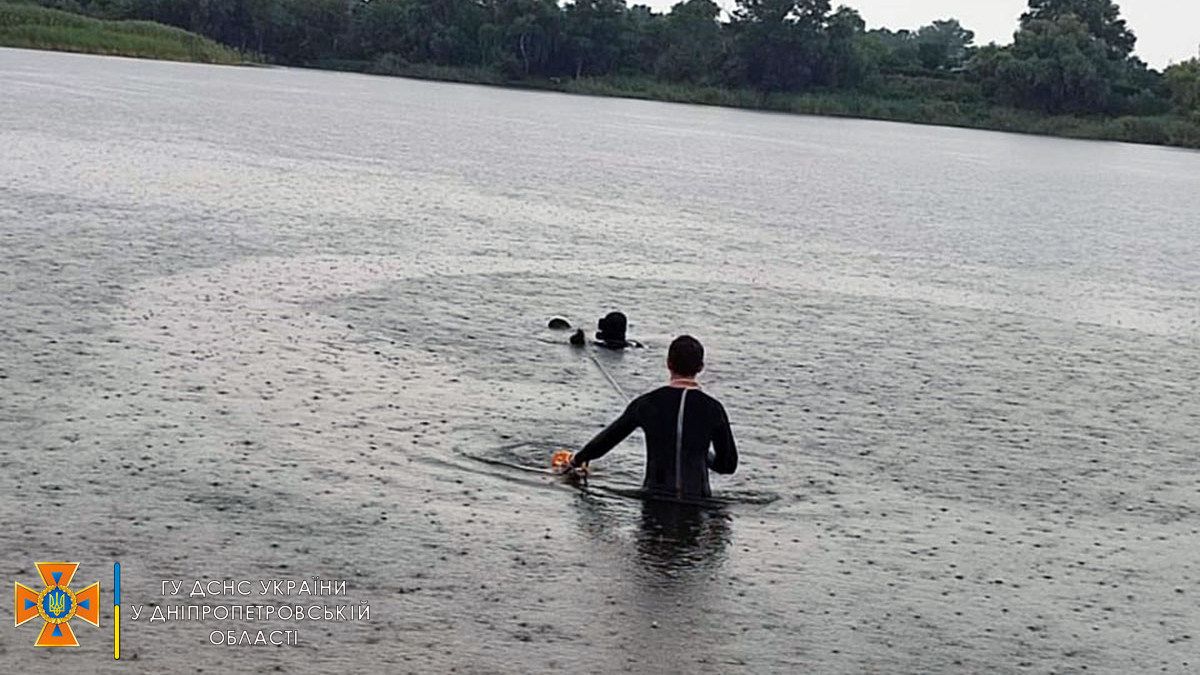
(610, 332)
(680, 423)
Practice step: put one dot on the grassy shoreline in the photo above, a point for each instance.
(937, 104)
(32, 27)
(1164, 130)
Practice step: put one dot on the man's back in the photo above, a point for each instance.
(680, 423)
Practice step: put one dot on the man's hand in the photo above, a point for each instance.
(575, 474)
(563, 464)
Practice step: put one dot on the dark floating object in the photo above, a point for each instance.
(577, 338)
(611, 331)
(559, 323)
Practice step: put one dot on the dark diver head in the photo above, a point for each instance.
(612, 330)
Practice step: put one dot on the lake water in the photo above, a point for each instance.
(267, 323)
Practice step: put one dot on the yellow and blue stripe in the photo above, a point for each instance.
(117, 611)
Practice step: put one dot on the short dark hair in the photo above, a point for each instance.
(686, 356)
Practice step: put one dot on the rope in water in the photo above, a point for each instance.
(608, 376)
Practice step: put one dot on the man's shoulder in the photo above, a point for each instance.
(651, 395)
(710, 399)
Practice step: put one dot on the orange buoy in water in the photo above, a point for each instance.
(561, 459)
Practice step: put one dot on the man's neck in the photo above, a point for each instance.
(683, 382)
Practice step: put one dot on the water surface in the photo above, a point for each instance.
(259, 323)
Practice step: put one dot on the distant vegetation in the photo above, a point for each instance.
(1069, 71)
(33, 27)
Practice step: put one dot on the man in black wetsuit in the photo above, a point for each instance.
(680, 423)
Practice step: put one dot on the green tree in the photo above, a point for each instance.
(592, 29)
(520, 36)
(641, 40)
(1055, 66)
(892, 51)
(380, 27)
(692, 42)
(1102, 18)
(1183, 81)
(846, 59)
(780, 43)
(943, 45)
(307, 30)
(1071, 56)
(259, 18)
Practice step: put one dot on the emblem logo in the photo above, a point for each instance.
(56, 604)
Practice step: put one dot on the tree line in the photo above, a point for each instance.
(1067, 56)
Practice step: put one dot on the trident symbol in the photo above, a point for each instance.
(57, 602)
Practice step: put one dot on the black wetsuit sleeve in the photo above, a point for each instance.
(725, 457)
(608, 439)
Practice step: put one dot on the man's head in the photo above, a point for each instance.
(612, 329)
(686, 356)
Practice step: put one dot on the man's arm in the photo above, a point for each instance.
(608, 439)
(725, 457)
